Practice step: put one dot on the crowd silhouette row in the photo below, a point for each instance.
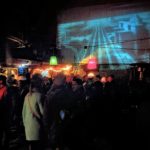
(75, 113)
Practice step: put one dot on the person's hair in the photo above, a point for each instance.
(98, 76)
(78, 81)
(60, 77)
(36, 82)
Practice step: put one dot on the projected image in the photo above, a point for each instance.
(118, 39)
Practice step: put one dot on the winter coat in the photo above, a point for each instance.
(32, 116)
(58, 101)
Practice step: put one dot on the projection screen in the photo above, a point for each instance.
(114, 34)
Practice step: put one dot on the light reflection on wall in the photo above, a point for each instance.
(117, 39)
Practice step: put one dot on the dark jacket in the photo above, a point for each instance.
(57, 99)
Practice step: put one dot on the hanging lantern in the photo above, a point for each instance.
(92, 64)
(53, 60)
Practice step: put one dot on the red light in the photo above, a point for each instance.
(92, 64)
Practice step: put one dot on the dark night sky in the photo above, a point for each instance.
(24, 15)
(37, 18)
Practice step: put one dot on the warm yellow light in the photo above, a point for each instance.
(90, 75)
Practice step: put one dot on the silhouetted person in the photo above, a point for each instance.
(4, 114)
(56, 110)
(32, 114)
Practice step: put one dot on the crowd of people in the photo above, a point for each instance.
(79, 113)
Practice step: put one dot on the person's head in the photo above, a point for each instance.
(2, 81)
(10, 80)
(60, 79)
(36, 82)
(110, 78)
(85, 78)
(22, 83)
(97, 78)
(76, 83)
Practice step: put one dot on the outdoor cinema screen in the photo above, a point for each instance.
(120, 37)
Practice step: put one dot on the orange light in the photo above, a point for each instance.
(57, 69)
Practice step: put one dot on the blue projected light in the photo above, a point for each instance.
(22, 70)
(111, 40)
